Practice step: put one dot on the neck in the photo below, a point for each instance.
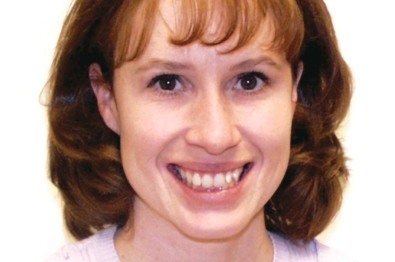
(149, 237)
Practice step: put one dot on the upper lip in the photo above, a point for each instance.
(204, 167)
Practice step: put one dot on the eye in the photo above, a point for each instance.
(166, 82)
(251, 81)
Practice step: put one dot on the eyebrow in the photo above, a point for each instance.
(175, 66)
(256, 61)
(165, 64)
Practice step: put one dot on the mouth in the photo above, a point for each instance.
(206, 181)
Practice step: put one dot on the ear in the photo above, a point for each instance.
(299, 73)
(105, 97)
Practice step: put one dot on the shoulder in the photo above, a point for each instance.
(99, 247)
(327, 254)
(313, 251)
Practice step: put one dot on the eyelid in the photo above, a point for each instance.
(154, 82)
(261, 75)
(159, 76)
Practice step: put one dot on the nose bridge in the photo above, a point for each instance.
(213, 125)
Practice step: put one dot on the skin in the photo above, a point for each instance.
(209, 122)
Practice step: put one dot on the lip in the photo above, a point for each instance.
(217, 198)
(211, 167)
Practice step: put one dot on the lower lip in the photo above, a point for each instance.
(218, 199)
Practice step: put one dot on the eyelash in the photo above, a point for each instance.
(258, 75)
(170, 77)
(174, 77)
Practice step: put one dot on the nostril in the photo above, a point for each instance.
(214, 140)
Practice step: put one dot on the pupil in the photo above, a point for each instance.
(167, 83)
(248, 82)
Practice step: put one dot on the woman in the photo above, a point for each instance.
(198, 130)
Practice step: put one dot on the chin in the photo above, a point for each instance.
(214, 227)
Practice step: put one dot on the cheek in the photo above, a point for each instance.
(269, 131)
(141, 142)
(277, 130)
(146, 131)
(269, 125)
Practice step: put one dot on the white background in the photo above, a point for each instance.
(30, 208)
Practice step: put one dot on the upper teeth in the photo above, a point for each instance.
(209, 180)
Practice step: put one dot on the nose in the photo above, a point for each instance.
(214, 127)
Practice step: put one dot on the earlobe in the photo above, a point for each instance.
(299, 73)
(105, 97)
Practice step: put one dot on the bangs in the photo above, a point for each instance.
(211, 23)
(132, 29)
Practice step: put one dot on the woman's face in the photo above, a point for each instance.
(205, 135)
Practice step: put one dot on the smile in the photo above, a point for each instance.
(209, 181)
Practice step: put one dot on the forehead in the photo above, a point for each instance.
(160, 52)
(227, 25)
(160, 45)
(212, 23)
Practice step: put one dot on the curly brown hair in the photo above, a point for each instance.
(84, 155)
